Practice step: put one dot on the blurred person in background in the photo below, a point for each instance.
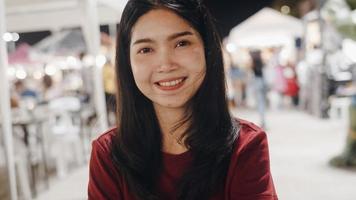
(175, 137)
(230, 92)
(110, 90)
(49, 90)
(280, 84)
(87, 79)
(271, 62)
(237, 76)
(23, 91)
(292, 89)
(22, 95)
(260, 86)
(302, 69)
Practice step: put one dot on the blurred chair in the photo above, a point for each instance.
(28, 128)
(339, 107)
(21, 164)
(89, 123)
(65, 127)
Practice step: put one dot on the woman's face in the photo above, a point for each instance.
(167, 58)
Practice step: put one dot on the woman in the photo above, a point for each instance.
(175, 137)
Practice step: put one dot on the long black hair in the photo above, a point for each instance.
(136, 149)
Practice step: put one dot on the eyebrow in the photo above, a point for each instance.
(177, 35)
(171, 37)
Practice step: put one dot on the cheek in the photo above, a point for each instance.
(200, 70)
(197, 59)
(194, 55)
(139, 75)
(139, 69)
(142, 77)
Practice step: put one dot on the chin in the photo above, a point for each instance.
(171, 105)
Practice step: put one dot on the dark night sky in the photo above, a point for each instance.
(228, 14)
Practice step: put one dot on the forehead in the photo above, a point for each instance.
(160, 23)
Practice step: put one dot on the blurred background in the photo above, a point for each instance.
(290, 68)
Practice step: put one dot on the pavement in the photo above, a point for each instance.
(300, 145)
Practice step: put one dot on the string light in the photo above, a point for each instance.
(8, 37)
(285, 9)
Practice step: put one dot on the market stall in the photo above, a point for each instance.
(26, 16)
(267, 27)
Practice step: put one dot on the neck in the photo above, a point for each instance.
(168, 119)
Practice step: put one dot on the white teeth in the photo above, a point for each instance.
(170, 83)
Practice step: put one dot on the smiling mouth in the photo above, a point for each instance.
(171, 84)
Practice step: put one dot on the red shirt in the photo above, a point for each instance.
(248, 178)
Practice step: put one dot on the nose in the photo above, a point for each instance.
(166, 61)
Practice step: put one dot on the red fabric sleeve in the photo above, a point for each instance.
(251, 177)
(103, 179)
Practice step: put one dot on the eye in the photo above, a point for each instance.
(183, 43)
(145, 50)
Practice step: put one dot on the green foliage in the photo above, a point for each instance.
(338, 13)
(352, 4)
(348, 30)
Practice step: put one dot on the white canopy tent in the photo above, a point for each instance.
(267, 27)
(66, 42)
(53, 15)
(39, 15)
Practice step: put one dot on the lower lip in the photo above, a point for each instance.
(171, 88)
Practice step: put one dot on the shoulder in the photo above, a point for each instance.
(251, 149)
(104, 141)
(251, 143)
(249, 134)
(104, 179)
(101, 151)
(249, 175)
